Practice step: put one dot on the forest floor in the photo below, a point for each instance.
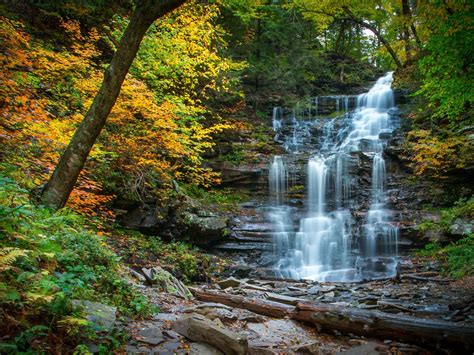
(419, 292)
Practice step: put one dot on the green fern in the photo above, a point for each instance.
(8, 255)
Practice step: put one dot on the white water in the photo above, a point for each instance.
(326, 247)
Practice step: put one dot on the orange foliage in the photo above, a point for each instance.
(45, 93)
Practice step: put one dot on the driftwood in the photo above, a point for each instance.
(352, 320)
(259, 306)
(384, 325)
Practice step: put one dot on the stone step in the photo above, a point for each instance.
(240, 247)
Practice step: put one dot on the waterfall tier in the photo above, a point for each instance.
(328, 244)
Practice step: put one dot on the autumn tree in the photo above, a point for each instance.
(66, 173)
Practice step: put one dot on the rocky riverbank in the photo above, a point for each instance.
(189, 326)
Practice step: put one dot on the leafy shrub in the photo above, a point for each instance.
(183, 260)
(48, 258)
(457, 257)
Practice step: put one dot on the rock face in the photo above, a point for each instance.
(184, 218)
(198, 328)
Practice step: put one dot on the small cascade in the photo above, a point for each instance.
(329, 245)
(278, 181)
(317, 173)
(276, 118)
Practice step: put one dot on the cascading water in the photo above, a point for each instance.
(329, 246)
(278, 180)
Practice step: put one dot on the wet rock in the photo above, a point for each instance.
(171, 334)
(152, 336)
(205, 229)
(258, 350)
(202, 348)
(370, 348)
(165, 317)
(328, 288)
(216, 313)
(100, 315)
(309, 348)
(200, 329)
(282, 298)
(461, 227)
(229, 282)
(329, 296)
(252, 317)
(314, 290)
(167, 282)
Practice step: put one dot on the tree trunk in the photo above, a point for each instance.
(376, 33)
(385, 325)
(409, 11)
(259, 306)
(61, 183)
(406, 18)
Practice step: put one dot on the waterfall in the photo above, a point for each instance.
(317, 172)
(278, 180)
(276, 119)
(329, 245)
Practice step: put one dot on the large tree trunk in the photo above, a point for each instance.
(385, 326)
(61, 183)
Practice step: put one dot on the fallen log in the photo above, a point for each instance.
(259, 306)
(385, 325)
(199, 328)
(368, 323)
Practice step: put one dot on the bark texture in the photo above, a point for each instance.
(259, 306)
(352, 320)
(385, 325)
(64, 177)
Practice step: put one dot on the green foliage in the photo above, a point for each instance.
(46, 259)
(235, 156)
(462, 209)
(448, 69)
(183, 260)
(457, 257)
(226, 197)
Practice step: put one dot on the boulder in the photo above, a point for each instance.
(167, 282)
(200, 329)
(205, 228)
(100, 315)
(461, 227)
(152, 335)
(230, 282)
